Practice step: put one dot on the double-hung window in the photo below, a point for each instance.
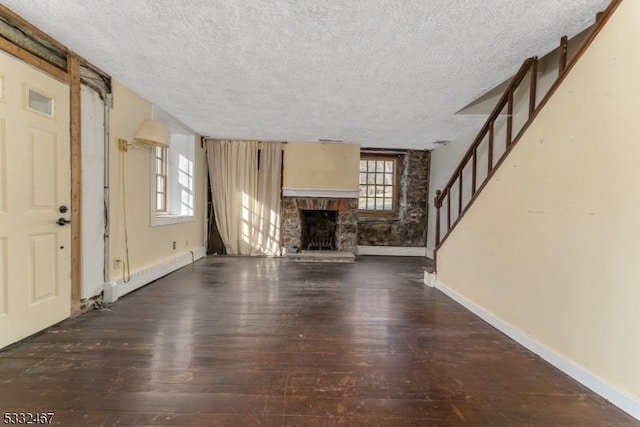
(161, 179)
(378, 185)
(173, 175)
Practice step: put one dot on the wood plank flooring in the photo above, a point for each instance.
(257, 341)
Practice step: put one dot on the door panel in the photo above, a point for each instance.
(43, 176)
(35, 279)
(42, 268)
(3, 167)
(4, 287)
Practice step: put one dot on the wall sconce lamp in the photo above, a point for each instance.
(150, 133)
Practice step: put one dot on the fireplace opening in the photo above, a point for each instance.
(319, 229)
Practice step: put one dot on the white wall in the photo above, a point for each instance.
(93, 209)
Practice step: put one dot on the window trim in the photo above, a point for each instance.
(162, 174)
(396, 187)
(158, 218)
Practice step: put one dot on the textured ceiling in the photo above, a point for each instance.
(384, 73)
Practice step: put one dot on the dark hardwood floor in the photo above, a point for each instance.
(256, 341)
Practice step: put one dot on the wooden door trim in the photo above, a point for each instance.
(73, 63)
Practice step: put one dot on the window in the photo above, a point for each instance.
(173, 182)
(161, 179)
(39, 102)
(378, 185)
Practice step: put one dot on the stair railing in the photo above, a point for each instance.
(469, 162)
(488, 130)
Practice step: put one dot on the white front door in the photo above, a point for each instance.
(35, 283)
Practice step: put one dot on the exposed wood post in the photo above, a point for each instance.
(534, 84)
(76, 183)
(564, 44)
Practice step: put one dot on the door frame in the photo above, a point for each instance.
(56, 60)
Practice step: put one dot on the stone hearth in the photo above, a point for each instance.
(346, 221)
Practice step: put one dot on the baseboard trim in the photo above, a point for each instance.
(119, 288)
(580, 374)
(392, 251)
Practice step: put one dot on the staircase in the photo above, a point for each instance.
(512, 115)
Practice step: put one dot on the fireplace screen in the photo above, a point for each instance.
(319, 230)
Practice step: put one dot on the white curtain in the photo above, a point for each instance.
(266, 231)
(246, 200)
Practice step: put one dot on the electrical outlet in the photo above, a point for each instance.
(117, 262)
(174, 244)
(187, 243)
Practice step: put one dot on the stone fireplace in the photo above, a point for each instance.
(320, 223)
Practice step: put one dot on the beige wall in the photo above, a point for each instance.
(147, 245)
(321, 165)
(551, 247)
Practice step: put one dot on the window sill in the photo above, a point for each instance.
(168, 219)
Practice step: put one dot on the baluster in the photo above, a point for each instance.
(490, 153)
(564, 43)
(438, 204)
(474, 171)
(510, 118)
(460, 194)
(534, 83)
(448, 209)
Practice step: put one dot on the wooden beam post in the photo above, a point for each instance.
(73, 62)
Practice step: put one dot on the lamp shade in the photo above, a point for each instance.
(151, 132)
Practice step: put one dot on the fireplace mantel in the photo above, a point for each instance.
(330, 193)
